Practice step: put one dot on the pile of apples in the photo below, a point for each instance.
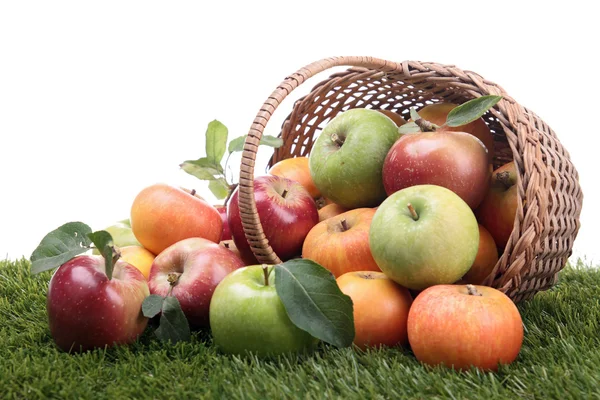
(409, 225)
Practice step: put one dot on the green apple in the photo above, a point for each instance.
(247, 316)
(347, 159)
(424, 235)
(122, 235)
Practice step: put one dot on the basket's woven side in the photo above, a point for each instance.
(248, 212)
(549, 196)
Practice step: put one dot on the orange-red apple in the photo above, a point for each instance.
(499, 207)
(331, 210)
(297, 170)
(162, 215)
(341, 243)
(485, 260)
(381, 308)
(461, 326)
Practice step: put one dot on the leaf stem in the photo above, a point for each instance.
(232, 188)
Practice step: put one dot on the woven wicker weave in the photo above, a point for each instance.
(549, 195)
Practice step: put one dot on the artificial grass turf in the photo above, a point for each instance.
(560, 358)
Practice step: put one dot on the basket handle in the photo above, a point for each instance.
(247, 205)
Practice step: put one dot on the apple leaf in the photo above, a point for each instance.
(271, 141)
(173, 326)
(219, 187)
(152, 305)
(104, 242)
(314, 302)
(409, 127)
(471, 110)
(237, 144)
(60, 245)
(202, 172)
(414, 114)
(216, 142)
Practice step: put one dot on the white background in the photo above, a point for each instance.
(100, 99)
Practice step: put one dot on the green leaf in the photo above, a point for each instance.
(152, 305)
(271, 141)
(205, 173)
(414, 114)
(174, 325)
(237, 144)
(216, 142)
(104, 242)
(409, 127)
(60, 245)
(314, 302)
(471, 110)
(219, 187)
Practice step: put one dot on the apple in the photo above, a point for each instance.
(347, 157)
(331, 210)
(162, 215)
(397, 118)
(485, 260)
(122, 235)
(461, 326)
(247, 316)
(341, 243)
(499, 207)
(287, 213)
(455, 160)
(381, 308)
(87, 310)
(437, 114)
(297, 170)
(226, 235)
(200, 265)
(139, 257)
(424, 235)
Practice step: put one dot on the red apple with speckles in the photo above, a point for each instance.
(455, 160)
(87, 310)
(200, 265)
(287, 213)
(460, 326)
(226, 231)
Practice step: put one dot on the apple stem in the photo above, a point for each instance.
(473, 290)
(265, 268)
(337, 139)
(285, 192)
(226, 245)
(344, 225)
(504, 178)
(193, 192)
(172, 278)
(413, 212)
(425, 125)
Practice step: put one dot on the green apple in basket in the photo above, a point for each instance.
(424, 235)
(347, 158)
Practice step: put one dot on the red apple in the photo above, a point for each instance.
(162, 215)
(87, 310)
(464, 325)
(380, 306)
(455, 160)
(287, 213)
(226, 235)
(201, 265)
(499, 207)
(341, 243)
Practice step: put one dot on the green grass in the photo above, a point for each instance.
(560, 358)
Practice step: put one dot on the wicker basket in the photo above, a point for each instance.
(549, 195)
